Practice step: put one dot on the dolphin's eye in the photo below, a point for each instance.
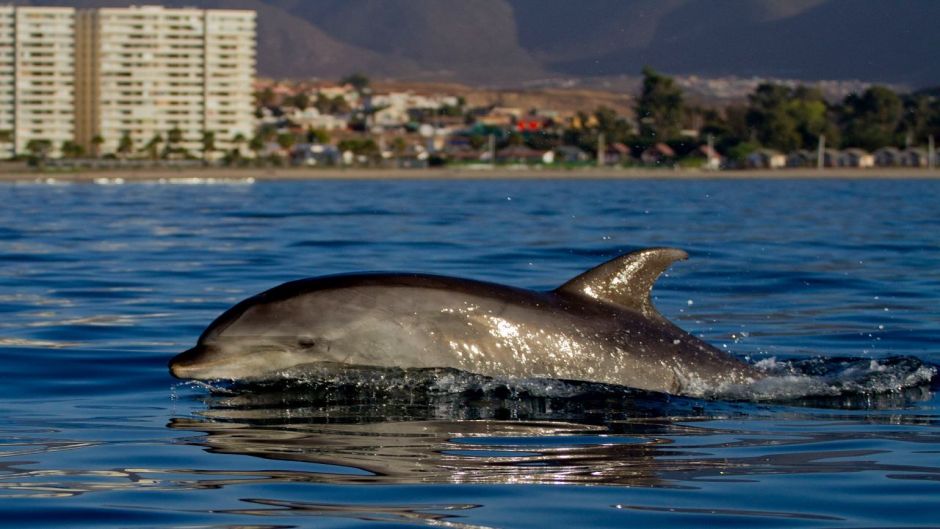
(306, 342)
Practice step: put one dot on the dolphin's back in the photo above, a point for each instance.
(598, 327)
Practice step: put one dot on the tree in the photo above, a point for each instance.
(208, 144)
(286, 140)
(125, 145)
(266, 97)
(301, 100)
(872, 119)
(358, 81)
(318, 136)
(39, 148)
(659, 108)
(152, 148)
(96, 144)
(788, 118)
(256, 145)
(70, 149)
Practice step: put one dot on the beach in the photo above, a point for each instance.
(447, 173)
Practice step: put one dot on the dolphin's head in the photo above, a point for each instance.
(258, 336)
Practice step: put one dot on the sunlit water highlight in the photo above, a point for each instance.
(830, 286)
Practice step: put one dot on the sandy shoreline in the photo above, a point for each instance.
(502, 173)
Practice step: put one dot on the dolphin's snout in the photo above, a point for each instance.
(185, 362)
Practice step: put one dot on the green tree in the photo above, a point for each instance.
(358, 81)
(769, 118)
(872, 120)
(286, 140)
(318, 136)
(659, 109)
(39, 149)
(301, 100)
(208, 144)
(152, 148)
(125, 145)
(70, 149)
(256, 145)
(96, 144)
(788, 118)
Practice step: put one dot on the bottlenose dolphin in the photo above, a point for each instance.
(600, 326)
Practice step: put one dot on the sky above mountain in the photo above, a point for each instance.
(509, 41)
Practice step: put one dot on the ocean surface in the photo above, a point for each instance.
(833, 286)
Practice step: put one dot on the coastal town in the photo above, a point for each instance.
(125, 88)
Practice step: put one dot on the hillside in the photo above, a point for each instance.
(508, 41)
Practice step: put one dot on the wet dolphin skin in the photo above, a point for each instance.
(599, 327)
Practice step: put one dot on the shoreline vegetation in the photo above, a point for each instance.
(250, 174)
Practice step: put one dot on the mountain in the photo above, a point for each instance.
(509, 41)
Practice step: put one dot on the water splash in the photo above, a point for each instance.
(842, 382)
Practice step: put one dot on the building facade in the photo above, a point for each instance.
(156, 81)
(37, 80)
(133, 82)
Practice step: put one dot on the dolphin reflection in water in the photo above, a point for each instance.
(598, 327)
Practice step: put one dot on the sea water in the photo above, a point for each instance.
(834, 286)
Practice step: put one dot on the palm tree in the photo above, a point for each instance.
(153, 146)
(208, 144)
(256, 145)
(96, 144)
(239, 140)
(173, 139)
(6, 137)
(126, 145)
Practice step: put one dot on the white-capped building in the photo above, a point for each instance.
(37, 77)
(165, 78)
(95, 76)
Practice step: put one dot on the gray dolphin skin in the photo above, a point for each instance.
(599, 327)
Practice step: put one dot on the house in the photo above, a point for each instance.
(617, 153)
(524, 155)
(766, 159)
(712, 159)
(531, 123)
(658, 154)
(913, 157)
(832, 158)
(467, 154)
(802, 158)
(571, 154)
(315, 154)
(887, 157)
(859, 158)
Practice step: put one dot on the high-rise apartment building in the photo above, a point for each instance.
(37, 77)
(153, 78)
(126, 81)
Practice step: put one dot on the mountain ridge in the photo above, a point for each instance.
(513, 41)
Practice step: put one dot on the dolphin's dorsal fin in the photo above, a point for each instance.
(626, 280)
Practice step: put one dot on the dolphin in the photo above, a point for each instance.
(599, 327)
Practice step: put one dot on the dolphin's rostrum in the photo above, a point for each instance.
(599, 327)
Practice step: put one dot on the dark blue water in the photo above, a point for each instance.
(101, 285)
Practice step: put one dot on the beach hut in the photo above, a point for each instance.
(801, 158)
(766, 159)
(887, 157)
(858, 158)
(913, 157)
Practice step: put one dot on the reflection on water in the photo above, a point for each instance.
(579, 434)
